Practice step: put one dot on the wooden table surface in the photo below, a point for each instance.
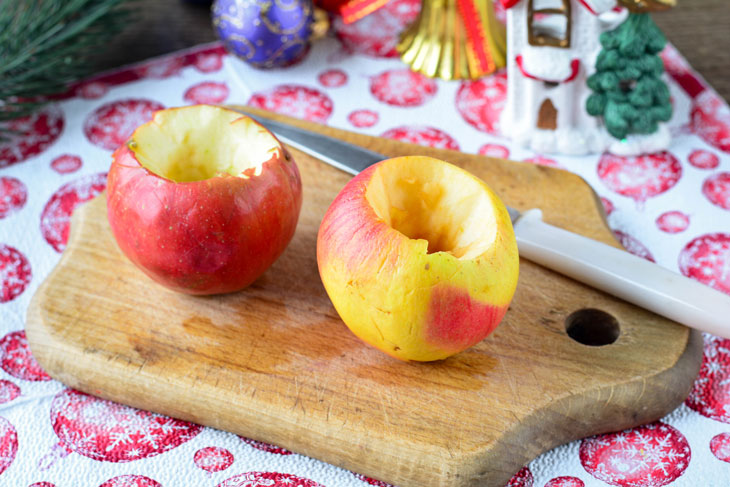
(698, 28)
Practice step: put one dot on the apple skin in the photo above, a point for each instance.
(402, 300)
(204, 237)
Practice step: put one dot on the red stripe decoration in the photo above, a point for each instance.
(574, 68)
(689, 82)
(475, 35)
(357, 9)
(588, 7)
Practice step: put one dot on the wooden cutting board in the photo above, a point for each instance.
(275, 363)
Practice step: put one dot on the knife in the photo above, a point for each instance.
(601, 266)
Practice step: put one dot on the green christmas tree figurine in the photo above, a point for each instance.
(628, 91)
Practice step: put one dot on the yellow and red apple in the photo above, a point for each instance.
(203, 199)
(418, 257)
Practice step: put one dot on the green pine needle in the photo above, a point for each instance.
(45, 46)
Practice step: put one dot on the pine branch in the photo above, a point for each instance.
(45, 45)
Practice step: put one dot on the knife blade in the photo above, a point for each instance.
(601, 266)
(347, 157)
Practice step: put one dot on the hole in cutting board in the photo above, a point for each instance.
(592, 327)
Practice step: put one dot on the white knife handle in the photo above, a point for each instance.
(623, 275)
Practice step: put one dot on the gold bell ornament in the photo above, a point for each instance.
(455, 39)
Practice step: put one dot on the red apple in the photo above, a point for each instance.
(203, 199)
(418, 257)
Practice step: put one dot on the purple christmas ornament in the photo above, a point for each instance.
(265, 33)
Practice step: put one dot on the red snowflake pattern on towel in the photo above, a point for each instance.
(703, 159)
(267, 447)
(523, 478)
(29, 136)
(131, 481)
(608, 205)
(640, 177)
(268, 479)
(8, 444)
(295, 101)
(17, 360)
(720, 446)
(672, 221)
(363, 118)
(8, 391)
(369, 481)
(13, 195)
(710, 119)
(377, 34)
(207, 92)
(716, 189)
(111, 432)
(710, 395)
(565, 482)
(161, 68)
(332, 78)
(15, 273)
(428, 136)
(92, 90)
(403, 88)
(481, 102)
(633, 245)
(208, 62)
(707, 260)
(651, 455)
(110, 125)
(494, 150)
(213, 459)
(66, 164)
(56, 215)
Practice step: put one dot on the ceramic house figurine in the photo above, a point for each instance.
(552, 47)
(556, 99)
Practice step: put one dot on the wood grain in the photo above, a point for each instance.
(275, 363)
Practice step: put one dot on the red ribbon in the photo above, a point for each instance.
(574, 68)
(357, 9)
(477, 42)
(351, 10)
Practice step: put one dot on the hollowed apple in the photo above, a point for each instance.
(203, 199)
(418, 257)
